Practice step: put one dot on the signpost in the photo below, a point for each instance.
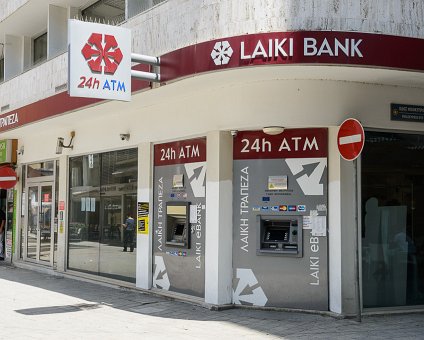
(350, 139)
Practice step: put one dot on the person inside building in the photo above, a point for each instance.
(129, 226)
(2, 224)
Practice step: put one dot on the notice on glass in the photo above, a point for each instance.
(82, 203)
(318, 225)
(87, 204)
(93, 204)
(277, 182)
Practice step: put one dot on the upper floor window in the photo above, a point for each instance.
(39, 49)
(138, 6)
(106, 10)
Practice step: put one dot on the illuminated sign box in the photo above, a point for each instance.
(99, 61)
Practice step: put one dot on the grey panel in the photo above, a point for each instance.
(178, 268)
(279, 280)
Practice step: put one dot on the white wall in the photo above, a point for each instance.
(57, 31)
(9, 6)
(172, 25)
(13, 57)
(219, 101)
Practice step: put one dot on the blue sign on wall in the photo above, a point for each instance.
(409, 113)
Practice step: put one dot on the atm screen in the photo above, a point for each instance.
(277, 234)
(179, 229)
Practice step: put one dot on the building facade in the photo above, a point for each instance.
(230, 164)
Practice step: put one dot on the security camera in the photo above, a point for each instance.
(124, 136)
(234, 133)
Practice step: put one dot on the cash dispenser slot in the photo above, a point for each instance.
(280, 235)
(177, 224)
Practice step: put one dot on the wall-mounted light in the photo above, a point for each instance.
(60, 145)
(273, 130)
(125, 136)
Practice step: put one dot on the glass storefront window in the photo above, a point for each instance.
(40, 169)
(393, 227)
(103, 189)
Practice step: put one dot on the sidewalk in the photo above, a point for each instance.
(40, 306)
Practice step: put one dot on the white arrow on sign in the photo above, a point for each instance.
(247, 280)
(308, 173)
(160, 277)
(196, 172)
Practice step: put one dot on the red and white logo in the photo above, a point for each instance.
(102, 55)
(99, 61)
(350, 139)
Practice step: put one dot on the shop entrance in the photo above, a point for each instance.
(38, 235)
(392, 219)
(40, 226)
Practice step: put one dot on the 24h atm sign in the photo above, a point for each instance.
(99, 61)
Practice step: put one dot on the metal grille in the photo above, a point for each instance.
(138, 6)
(108, 11)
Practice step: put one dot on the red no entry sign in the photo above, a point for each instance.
(8, 178)
(350, 139)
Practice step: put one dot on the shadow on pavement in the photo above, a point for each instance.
(288, 324)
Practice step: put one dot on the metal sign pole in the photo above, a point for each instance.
(356, 238)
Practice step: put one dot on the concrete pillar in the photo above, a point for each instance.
(219, 231)
(334, 223)
(62, 245)
(145, 194)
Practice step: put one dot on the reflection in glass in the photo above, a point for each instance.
(84, 214)
(45, 222)
(393, 227)
(40, 169)
(103, 189)
(32, 229)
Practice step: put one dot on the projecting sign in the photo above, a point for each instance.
(99, 61)
(8, 150)
(408, 113)
(350, 139)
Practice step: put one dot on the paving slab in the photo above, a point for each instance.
(41, 306)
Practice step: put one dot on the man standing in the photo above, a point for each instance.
(129, 226)
(2, 225)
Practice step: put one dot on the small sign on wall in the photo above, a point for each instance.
(407, 113)
(142, 218)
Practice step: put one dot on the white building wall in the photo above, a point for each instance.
(9, 6)
(172, 25)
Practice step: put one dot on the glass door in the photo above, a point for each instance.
(39, 234)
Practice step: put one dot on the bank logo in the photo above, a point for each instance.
(160, 274)
(102, 55)
(248, 290)
(221, 53)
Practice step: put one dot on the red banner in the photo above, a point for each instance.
(315, 47)
(181, 152)
(291, 143)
